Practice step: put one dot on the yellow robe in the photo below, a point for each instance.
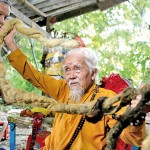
(91, 136)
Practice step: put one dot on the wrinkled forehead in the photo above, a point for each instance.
(72, 64)
(74, 59)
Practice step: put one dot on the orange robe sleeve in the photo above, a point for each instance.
(43, 82)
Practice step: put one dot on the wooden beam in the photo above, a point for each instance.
(49, 3)
(34, 2)
(60, 9)
(37, 19)
(76, 12)
(33, 8)
(48, 24)
(105, 4)
(70, 8)
(28, 21)
(82, 8)
(56, 6)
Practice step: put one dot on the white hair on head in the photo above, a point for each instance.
(90, 56)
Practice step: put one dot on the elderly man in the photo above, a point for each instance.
(4, 10)
(69, 131)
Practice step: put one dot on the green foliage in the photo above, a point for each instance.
(117, 34)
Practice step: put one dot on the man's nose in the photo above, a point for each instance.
(72, 74)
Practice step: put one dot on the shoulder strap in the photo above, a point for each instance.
(80, 125)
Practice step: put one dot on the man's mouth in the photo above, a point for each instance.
(74, 83)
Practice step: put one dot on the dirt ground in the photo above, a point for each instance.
(22, 132)
(21, 139)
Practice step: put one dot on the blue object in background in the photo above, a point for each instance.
(12, 136)
(135, 147)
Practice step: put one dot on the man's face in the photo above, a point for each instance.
(4, 12)
(77, 73)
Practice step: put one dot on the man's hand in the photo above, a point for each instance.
(146, 107)
(135, 102)
(9, 40)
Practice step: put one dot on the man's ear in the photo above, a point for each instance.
(94, 73)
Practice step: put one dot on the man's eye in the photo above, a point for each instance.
(67, 70)
(77, 68)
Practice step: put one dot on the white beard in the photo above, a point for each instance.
(76, 93)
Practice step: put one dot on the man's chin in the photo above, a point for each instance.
(76, 92)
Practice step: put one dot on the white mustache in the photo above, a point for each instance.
(73, 81)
